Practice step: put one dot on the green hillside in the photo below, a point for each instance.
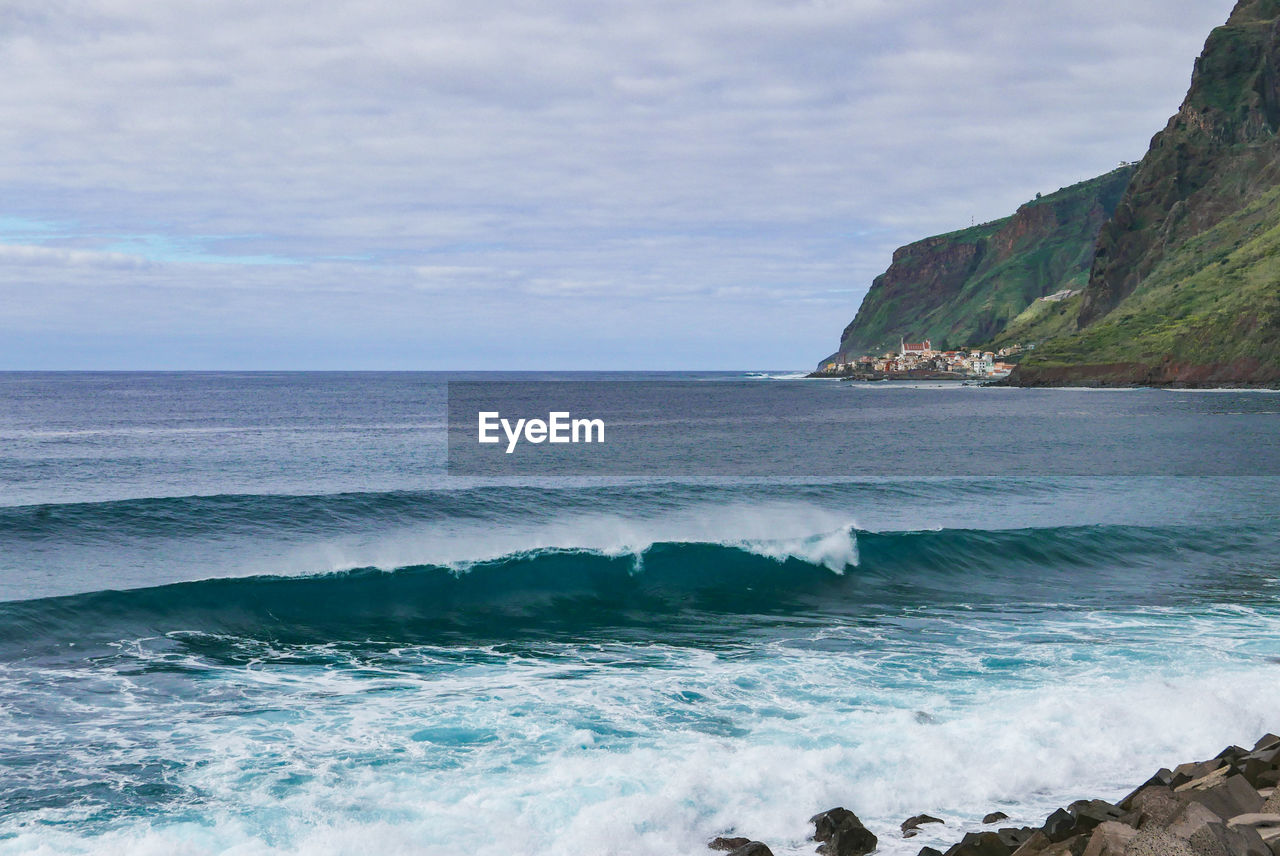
(964, 287)
(1185, 286)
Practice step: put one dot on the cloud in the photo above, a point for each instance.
(493, 166)
(28, 256)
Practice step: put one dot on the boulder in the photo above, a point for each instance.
(1209, 835)
(1270, 754)
(1073, 846)
(1208, 780)
(1189, 772)
(1015, 836)
(1225, 796)
(1033, 845)
(1255, 771)
(1059, 826)
(842, 834)
(1267, 741)
(1015, 841)
(728, 844)
(995, 817)
(1257, 820)
(1199, 827)
(1261, 767)
(752, 848)
(850, 841)
(1154, 806)
(919, 820)
(1090, 814)
(1269, 779)
(1266, 825)
(1110, 839)
(1155, 842)
(826, 823)
(981, 844)
(1162, 778)
(929, 851)
(1272, 805)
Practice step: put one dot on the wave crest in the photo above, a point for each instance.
(844, 572)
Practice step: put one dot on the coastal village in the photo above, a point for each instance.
(920, 360)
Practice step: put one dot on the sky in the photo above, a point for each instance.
(555, 184)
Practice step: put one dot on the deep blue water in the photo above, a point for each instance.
(253, 613)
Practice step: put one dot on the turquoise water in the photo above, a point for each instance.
(253, 614)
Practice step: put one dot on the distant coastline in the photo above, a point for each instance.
(1157, 274)
(874, 376)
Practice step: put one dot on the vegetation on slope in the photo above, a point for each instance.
(1186, 279)
(964, 287)
(1208, 314)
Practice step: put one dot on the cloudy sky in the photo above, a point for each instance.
(546, 184)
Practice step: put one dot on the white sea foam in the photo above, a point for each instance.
(779, 530)
(652, 749)
(835, 550)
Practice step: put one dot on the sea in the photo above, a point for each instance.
(264, 613)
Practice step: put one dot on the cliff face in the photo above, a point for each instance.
(1185, 283)
(964, 287)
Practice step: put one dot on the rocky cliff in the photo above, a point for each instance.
(1185, 282)
(963, 288)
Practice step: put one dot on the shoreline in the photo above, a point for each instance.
(1005, 382)
(1228, 805)
(913, 374)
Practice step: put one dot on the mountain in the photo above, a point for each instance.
(1177, 261)
(963, 288)
(1185, 282)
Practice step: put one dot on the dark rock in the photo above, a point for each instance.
(981, 844)
(842, 833)
(850, 841)
(826, 823)
(1033, 845)
(1207, 833)
(1155, 806)
(1266, 825)
(929, 851)
(1015, 837)
(1225, 796)
(1254, 769)
(1089, 814)
(1073, 846)
(1231, 753)
(726, 844)
(1162, 778)
(1269, 779)
(1194, 770)
(752, 848)
(1270, 755)
(995, 817)
(919, 820)
(1059, 825)
(1267, 741)
(1110, 839)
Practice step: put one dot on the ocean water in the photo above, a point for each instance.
(253, 613)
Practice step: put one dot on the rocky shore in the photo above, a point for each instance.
(1226, 806)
